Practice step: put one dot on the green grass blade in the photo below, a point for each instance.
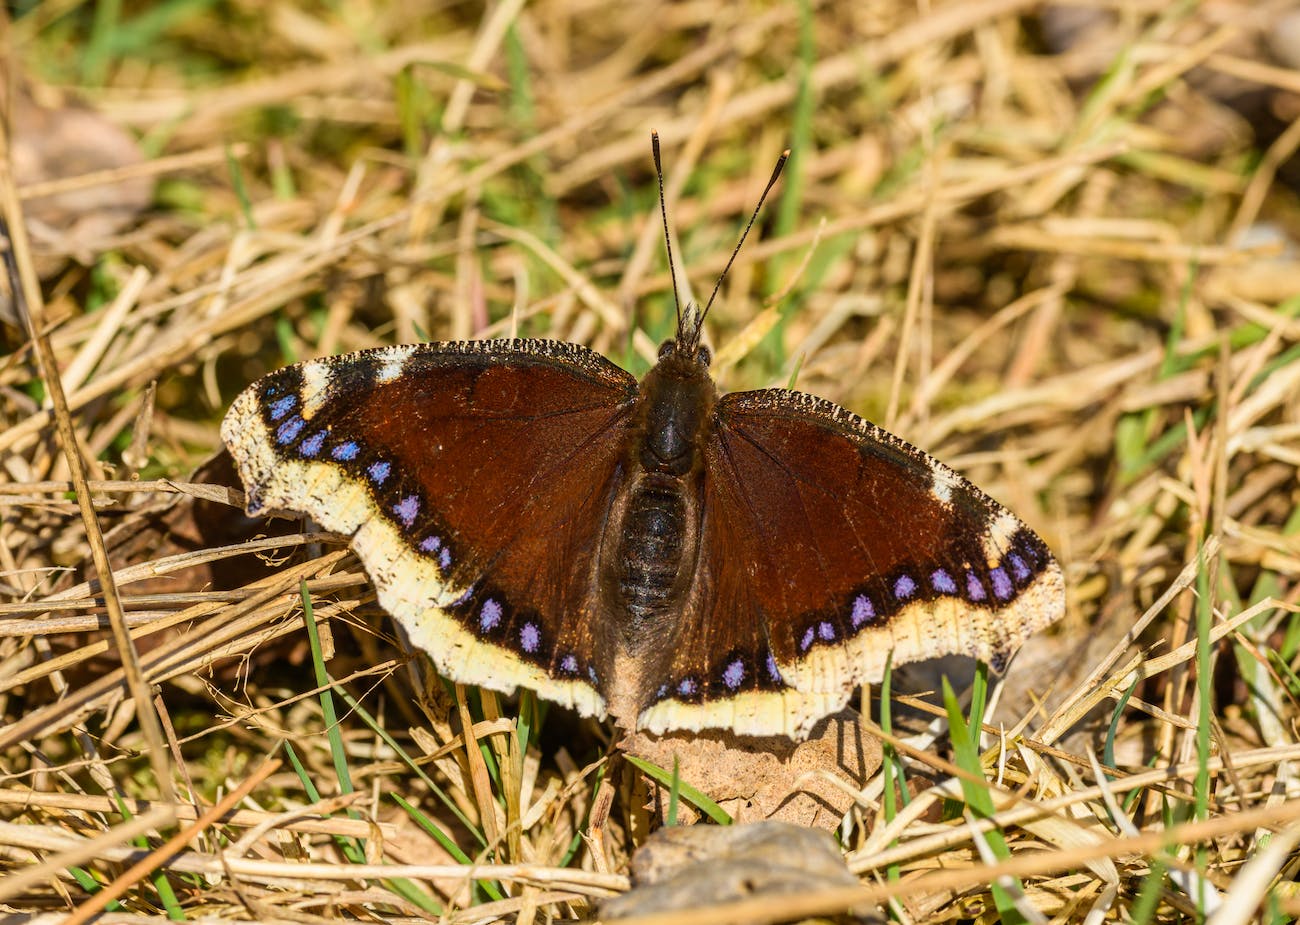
(979, 698)
(674, 791)
(1108, 748)
(332, 730)
(241, 190)
(87, 882)
(163, 886)
(1205, 718)
(978, 799)
(99, 49)
(696, 798)
(442, 838)
(356, 707)
(891, 769)
(1148, 898)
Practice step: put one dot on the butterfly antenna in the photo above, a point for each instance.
(668, 241)
(776, 172)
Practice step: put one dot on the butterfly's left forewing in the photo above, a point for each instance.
(473, 478)
(856, 548)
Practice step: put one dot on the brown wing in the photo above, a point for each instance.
(474, 479)
(852, 545)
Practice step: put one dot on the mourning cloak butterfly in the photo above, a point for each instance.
(533, 516)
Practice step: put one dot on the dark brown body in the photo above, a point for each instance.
(648, 559)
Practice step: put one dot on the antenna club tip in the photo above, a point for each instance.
(785, 153)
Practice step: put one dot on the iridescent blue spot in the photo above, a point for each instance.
(974, 588)
(772, 671)
(734, 674)
(407, 509)
(469, 592)
(489, 616)
(530, 637)
(591, 674)
(826, 631)
(942, 582)
(686, 687)
(904, 587)
(1018, 567)
(444, 559)
(289, 430)
(345, 452)
(430, 544)
(378, 472)
(569, 664)
(662, 692)
(808, 636)
(282, 406)
(311, 446)
(863, 612)
(1002, 586)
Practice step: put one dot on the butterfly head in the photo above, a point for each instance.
(688, 343)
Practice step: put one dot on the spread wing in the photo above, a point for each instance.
(474, 479)
(854, 546)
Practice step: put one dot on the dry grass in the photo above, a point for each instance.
(1070, 276)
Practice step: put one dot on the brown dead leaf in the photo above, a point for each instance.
(808, 783)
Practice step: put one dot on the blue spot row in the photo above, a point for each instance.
(863, 611)
(407, 510)
(282, 406)
(310, 446)
(824, 630)
(491, 618)
(430, 545)
(1003, 589)
(489, 615)
(1017, 569)
(289, 430)
(734, 674)
(942, 582)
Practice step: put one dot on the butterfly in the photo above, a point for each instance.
(534, 516)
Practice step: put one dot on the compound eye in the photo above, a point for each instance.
(703, 355)
(666, 348)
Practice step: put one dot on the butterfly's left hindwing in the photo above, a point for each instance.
(854, 547)
(473, 478)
